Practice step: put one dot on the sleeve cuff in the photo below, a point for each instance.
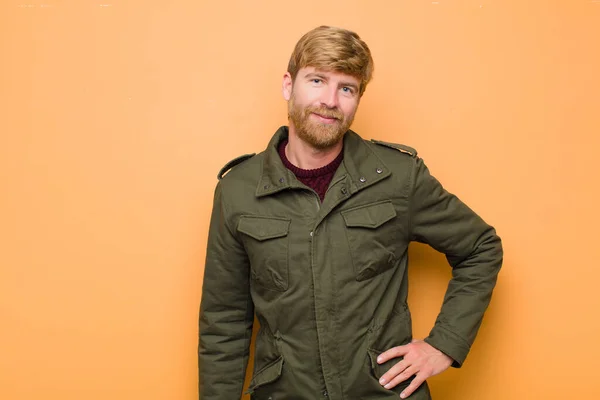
(450, 344)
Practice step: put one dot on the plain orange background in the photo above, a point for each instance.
(115, 117)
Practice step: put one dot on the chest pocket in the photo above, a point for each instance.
(372, 237)
(266, 242)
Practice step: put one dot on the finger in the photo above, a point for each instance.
(393, 372)
(394, 352)
(414, 385)
(401, 377)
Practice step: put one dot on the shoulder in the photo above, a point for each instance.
(230, 165)
(237, 180)
(395, 147)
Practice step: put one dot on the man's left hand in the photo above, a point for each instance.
(420, 359)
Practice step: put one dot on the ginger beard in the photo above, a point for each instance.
(319, 135)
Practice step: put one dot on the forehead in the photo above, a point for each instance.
(328, 73)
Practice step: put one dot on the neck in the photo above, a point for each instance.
(304, 156)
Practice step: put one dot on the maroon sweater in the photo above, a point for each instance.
(316, 179)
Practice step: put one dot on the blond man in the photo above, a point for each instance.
(311, 237)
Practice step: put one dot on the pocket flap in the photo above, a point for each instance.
(373, 354)
(370, 216)
(266, 375)
(261, 228)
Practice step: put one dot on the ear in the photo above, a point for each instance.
(287, 86)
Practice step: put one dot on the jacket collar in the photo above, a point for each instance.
(362, 165)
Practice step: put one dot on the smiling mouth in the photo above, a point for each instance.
(325, 117)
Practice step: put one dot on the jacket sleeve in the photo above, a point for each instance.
(226, 310)
(474, 251)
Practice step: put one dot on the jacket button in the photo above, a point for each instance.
(266, 187)
(325, 393)
(281, 180)
(311, 233)
(363, 179)
(379, 170)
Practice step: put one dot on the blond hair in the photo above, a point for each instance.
(333, 49)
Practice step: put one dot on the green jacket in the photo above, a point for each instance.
(328, 281)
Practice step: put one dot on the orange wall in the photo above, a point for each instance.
(115, 117)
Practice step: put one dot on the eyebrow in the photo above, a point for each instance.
(320, 76)
(315, 75)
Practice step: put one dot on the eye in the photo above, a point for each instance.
(347, 89)
(317, 80)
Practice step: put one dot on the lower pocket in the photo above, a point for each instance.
(379, 369)
(268, 374)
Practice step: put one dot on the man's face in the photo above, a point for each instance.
(321, 105)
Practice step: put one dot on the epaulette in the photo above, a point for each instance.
(233, 163)
(400, 147)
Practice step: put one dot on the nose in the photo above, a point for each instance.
(330, 97)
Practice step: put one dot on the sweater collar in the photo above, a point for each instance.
(363, 166)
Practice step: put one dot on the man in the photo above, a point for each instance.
(312, 234)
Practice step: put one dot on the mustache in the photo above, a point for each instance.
(324, 112)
